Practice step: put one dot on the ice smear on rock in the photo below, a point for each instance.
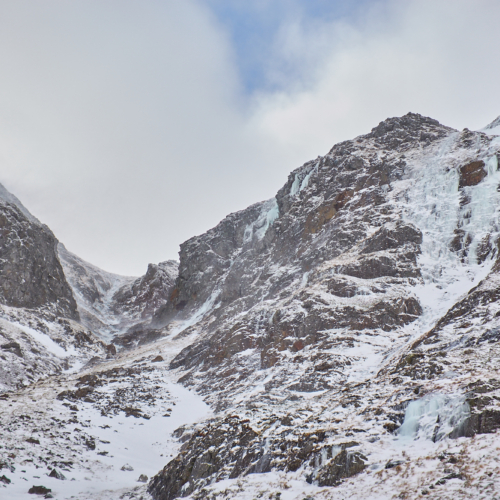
(198, 315)
(298, 185)
(268, 214)
(435, 417)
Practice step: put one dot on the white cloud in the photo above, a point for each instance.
(438, 58)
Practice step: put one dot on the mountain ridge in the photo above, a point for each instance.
(344, 334)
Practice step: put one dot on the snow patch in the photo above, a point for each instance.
(44, 340)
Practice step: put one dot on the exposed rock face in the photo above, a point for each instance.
(138, 301)
(472, 173)
(31, 275)
(205, 454)
(230, 448)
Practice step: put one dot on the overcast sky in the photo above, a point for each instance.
(130, 126)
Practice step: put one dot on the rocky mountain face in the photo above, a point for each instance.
(320, 315)
(30, 273)
(344, 333)
(342, 254)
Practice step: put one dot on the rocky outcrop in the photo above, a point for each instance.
(230, 448)
(225, 450)
(144, 296)
(472, 174)
(31, 275)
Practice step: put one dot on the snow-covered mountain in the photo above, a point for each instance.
(110, 304)
(345, 335)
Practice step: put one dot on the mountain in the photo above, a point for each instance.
(110, 304)
(344, 335)
(40, 334)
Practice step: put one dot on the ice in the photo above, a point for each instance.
(198, 315)
(434, 417)
(305, 277)
(298, 185)
(295, 185)
(433, 204)
(269, 213)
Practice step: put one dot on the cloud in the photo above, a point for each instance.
(121, 125)
(438, 58)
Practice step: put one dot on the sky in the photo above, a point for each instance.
(131, 126)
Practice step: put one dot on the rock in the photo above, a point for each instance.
(111, 349)
(33, 440)
(472, 173)
(135, 412)
(56, 474)
(393, 237)
(7, 464)
(12, 347)
(143, 478)
(230, 444)
(4, 479)
(127, 467)
(39, 490)
(484, 422)
(345, 464)
(31, 275)
(89, 443)
(393, 463)
(157, 359)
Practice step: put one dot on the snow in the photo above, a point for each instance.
(43, 339)
(432, 203)
(493, 128)
(146, 445)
